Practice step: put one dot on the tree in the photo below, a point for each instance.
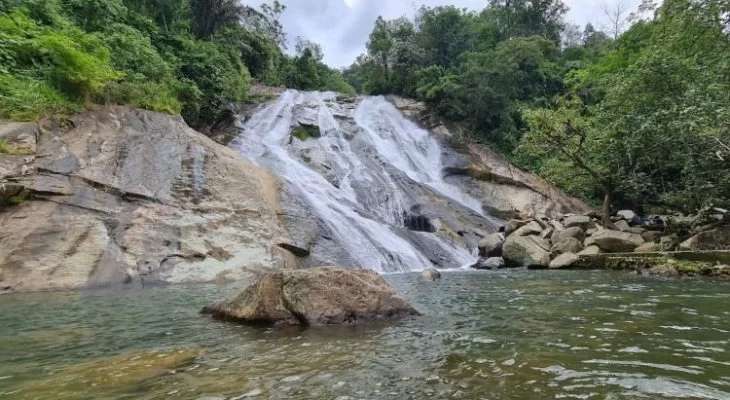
(576, 150)
(208, 16)
(444, 33)
(617, 16)
(572, 36)
(96, 15)
(529, 17)
(266, 21)
(305, 72)
(379, 45)
(315, 50)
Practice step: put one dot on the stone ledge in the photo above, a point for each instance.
(692, 263)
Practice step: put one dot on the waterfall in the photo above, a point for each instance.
(360, 176)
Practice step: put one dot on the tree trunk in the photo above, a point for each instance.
(606, 212)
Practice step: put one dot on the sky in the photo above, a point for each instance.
(342, 27)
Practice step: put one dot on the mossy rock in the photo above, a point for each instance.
(705, 263)
(101, 377)
(10, 149)
(305, 132)
(12, 195)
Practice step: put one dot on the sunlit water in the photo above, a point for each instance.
(505, 335)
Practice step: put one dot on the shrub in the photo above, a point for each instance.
(25, 99)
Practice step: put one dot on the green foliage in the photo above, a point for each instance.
(217, 73)
(655, 115)
(209, 16)
(528, 18)
(95, 15)
(469, 67)
(445, 33)
(4, 148)
(192, 57)
(24, 98)
(77, 63)
(642, 119)
(46, 69)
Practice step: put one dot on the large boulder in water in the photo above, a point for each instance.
(526, 251)
(317, 296)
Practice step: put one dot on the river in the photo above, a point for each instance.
(484, 335)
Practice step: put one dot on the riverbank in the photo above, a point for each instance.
(675, 245)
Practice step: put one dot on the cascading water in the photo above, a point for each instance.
(359, 176)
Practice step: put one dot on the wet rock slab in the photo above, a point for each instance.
(107, 375)
(317, 296)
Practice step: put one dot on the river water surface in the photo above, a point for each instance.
(504, 335)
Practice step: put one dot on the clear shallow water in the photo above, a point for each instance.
(505, 335)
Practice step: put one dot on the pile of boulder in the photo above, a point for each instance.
(560, 243)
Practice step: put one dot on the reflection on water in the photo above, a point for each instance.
(506, 335)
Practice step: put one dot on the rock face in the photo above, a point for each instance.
(507, 191)
(317, 296)
(526, 251)
(371, 188)
(120, 195)
(127, 196)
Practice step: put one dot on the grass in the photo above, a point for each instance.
(6, 148)
(304, 132)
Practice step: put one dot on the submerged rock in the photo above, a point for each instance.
(107, 374)
(317, 296)
(490, 263)
(431, 274)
